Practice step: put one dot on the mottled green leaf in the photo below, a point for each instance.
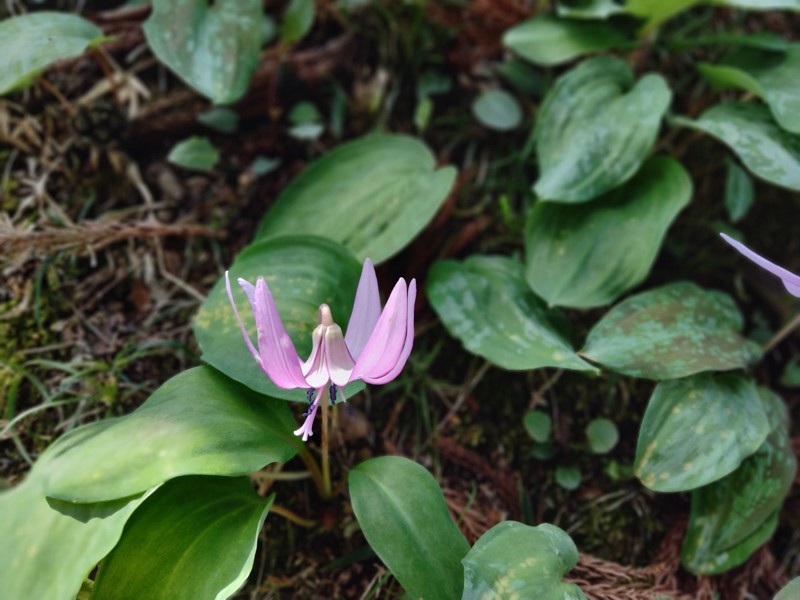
(547, 40)
(749, 130)
(195, 537)
(589, 254)
(734, 512)
(602, 435)
(196, 153)
(485, 303)
(213, 47)
(405, 519)
(669, 332)
(198, 422)
(772, 76)
(298, 18)
(302, 273)
(36, 40)
(47, 553)
(498, 110)
(791, 591)
(738, 192)
(514, 560)
(538, 425)
(697, 430)
(595, 129)
(372, 195)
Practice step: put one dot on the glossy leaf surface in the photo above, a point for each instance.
(405, 519)
(595, 129)
(697, 430)
(732, 514)
(302, 273)
(213, 47)
(589, 254)
(198, 422)
(372, 195)
(486, 303)
(194, 537)
(670, 332)
(514, 560)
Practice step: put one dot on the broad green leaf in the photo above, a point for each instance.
(405, 519)
(195, 537)
(589, 9)
(547, 40)
(298, 18)
(731, 511)
(738, 192)
(589, 254)
(595, 129)
(568, 478)
(213, 47)
(514, 560)
(486, 303)
(195, 153)
(47, 553)
(761, 4)
(538, 425)
(791, 591)
(749, 130)
(36, 40)
(372, 195)
(198, 422)
(655, 13)
(774, 77)
(302, 273)
(498, 110)
(697, 430)
(602, 435)
(670, 332)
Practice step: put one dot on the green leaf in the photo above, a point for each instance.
(498, 110)
(669, 332)
(405, 519)
(589, 9)
(198, 422)
(302, 273)
(372, 195)
(791, 591)
(485, 303)
(589, 254)
(213, 47)
(595, 128)
(46, 553)
(220, 119)
(762, 4)
(195, 537)
(547, 40)
(38, 40)
(771, 76)
(195, 153)
(297, 20)
(749, 130)
(568, 478)
(697, 430)
(538, 425)
(513, 560)
(655, 13)
(602, 435)
(731, 513)
(738, 192)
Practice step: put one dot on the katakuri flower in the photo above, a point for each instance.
(374, 349)
(790, 281)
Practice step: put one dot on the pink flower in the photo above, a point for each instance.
(790, 281)
(374, 349)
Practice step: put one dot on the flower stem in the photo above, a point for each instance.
(326, 470)
(291, 516)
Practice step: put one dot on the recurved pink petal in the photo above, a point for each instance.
(385, 345)
(366, 311)
(279, 359)
(790, 281)
(340, 363)
(246, 337)
(407, 345)
(315, 369)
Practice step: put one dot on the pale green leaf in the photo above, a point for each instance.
(538, 425)
(602, 435)
(196, 153)
(298, 18)
(791, 591)
(738, 192)
(498, 110)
